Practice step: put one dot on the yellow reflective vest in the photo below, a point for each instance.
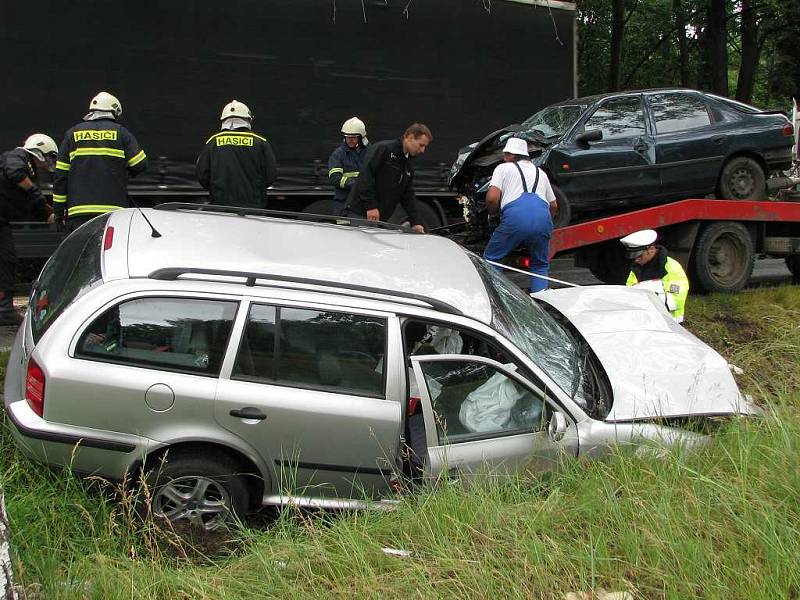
(675, 284)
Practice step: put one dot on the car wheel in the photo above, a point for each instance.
(742, 178)
(430, 220)
(564, 215)
(793, 263)
(609, 264)
(722, 259)
(204, 493)
(324, 207)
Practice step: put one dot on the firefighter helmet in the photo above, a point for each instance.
(234, 108)
(354, 126)
(108, 102)
(41, 146)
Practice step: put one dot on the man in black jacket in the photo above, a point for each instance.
(94, 162)
(387, 178)
(20, 195)
(237, 166)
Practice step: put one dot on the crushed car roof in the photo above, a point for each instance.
(395, 261)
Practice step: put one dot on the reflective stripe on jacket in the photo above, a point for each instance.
(675, 284)
(94, 163)
(344, 166)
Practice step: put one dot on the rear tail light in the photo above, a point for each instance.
(108, 240)
(788, 130)
(524, 262)
(34, 387)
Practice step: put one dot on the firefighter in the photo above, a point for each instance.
(345, 162)
(20, 195)
(236, 165)
(651, 263)
(94, 162)
(387, 178)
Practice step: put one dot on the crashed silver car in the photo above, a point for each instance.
(242, 359)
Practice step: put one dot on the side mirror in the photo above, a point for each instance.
(593, 135)
(557, 426)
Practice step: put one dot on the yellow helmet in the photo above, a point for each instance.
(354, 126)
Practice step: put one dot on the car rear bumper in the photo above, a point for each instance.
(778, 159)
(84, 450)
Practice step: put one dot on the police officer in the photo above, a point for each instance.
(236, 165)
(651, 263)
(20, 196)
(94, 162)
(522, 194)
(387, 178)
(345, 162)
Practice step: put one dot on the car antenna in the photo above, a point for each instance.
(153, 232)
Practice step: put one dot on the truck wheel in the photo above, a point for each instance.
(742, 178)
(323, 207)
(564, 209)
(722, 259)
(793, 263)
(430, 220)
(609, 264)
(203, 492)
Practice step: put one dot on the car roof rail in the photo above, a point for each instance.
(280, 214)
(173, 273)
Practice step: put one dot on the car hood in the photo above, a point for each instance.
(656, 367)
(468, 155)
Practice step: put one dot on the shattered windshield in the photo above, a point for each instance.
(534, 331)
(554, 121)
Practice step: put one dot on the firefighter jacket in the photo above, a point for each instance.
(237, 166)
(343, 167)
(672, 276)
(16, 203)
(385, 180)
(94, 162)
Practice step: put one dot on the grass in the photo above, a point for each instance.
(718, 523)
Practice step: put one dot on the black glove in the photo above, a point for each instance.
(60, 225)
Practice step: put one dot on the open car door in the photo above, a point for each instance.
(482, 415)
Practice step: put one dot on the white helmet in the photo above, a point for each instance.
(106, 101)
(354, 126)
(41, 146)
(234, 108)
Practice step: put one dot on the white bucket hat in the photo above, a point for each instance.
(516, 146)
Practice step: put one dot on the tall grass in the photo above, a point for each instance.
(721, 522)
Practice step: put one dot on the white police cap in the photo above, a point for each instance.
(639, 241)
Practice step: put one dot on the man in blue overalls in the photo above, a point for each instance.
(527, 205)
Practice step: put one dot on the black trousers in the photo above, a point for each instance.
(8, 260)
(74, 222)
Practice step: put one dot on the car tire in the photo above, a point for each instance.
(793, 264)
(201, 492)
(564, 215)
(324, 207)
(722, 259)
(742, 178)
(609, 264)
(430, 220)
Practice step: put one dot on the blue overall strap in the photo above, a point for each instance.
(522, 175)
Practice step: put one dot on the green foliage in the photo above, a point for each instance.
(651, 54)
(719, 522)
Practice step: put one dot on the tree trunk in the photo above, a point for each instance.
(680, 26)
(7, 589)
(717, 47)
(617, 33)
(751, 51)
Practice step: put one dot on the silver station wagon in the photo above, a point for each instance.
(235, 359)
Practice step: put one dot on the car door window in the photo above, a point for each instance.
(175, 334)
(321, 350)
(475, 400)
(678, 112)
(618, 118)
